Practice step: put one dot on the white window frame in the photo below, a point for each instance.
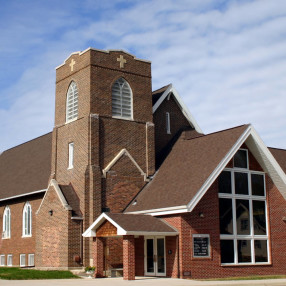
(252, 237)
(119, 97)
(247, 160)
(27, 220)
(168, 123)
(71, 155)
(22, 257)
(31, 257)
(6, 234)
(72, 102)
(2, 260)
(209, 245)
(9, 263)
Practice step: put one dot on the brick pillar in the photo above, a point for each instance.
(98, 259)
(128, 257)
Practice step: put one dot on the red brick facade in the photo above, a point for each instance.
(102, 184)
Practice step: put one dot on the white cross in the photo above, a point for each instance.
(122, 61)
(72, 64)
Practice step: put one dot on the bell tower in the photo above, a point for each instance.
(103, 138)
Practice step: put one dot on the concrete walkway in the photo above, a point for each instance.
(140, 281)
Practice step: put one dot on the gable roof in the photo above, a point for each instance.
(26, 168)
(194, 164)
(132, 224)
(158, 96)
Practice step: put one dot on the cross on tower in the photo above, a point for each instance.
(72, 64)
(122, 61)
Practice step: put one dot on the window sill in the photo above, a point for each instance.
(123, 118)
(25, 236)
(246, 264)
(6, 237)
(69, 121)
(70, 168)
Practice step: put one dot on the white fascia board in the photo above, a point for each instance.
(23, 195)
(162, 211)
(90, 232)
(267, 161)
(117, 157)
(181, 104)
(218, 170)
(151, 233)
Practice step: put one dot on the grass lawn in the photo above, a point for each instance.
(261, 277)
(14, 273)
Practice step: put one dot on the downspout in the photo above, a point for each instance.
(147, 157)
(178, 253)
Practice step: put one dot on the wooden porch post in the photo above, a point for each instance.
(128, 257)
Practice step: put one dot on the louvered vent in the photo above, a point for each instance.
(72, 102)
(121, 99)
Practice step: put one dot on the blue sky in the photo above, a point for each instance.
(227, 59)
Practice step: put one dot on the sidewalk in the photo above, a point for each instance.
(141, 281)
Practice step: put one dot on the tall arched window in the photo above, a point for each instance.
(72, 102)
(6, 223)
(27, 220)
(121, 99)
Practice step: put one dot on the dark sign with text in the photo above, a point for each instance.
(201, 246)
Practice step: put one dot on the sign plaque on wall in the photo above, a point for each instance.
(201, 245)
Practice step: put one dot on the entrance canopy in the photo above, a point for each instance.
(108, 224)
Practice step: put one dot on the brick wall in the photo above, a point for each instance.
(178, 122)
(17, 244)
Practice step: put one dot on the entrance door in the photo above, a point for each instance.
(155, 258)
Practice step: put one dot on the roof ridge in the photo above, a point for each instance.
(25, 142)
(277, 148)
(204, 135)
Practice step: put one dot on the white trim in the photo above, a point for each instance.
(117, 157)
(28, 222)
(23, 195)
(77, 218)
(103, 51)
(56, 187)
(251, 237)
(70, 155)
(6, 227)
(11, 257)
(2, 260)
(162, 211)
(30, 255)
(181, 104)
(21, 256)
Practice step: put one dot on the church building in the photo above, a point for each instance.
(127, 182)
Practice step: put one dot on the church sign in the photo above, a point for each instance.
(201, 245)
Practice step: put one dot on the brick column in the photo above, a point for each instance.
(128, 257)
(98, 258)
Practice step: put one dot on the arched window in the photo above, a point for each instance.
(6, 223)
(72, 102)
(27, 220)
(121, 99)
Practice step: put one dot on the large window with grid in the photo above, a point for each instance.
(243, 214)
(121, 99)
(72, 102)
(6, 223)
(27, 220)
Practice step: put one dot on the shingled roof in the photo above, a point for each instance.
(26, 168)
(186, 169)
(280, 156)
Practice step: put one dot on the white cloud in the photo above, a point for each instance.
(227, 59)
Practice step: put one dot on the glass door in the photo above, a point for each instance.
(155, 259)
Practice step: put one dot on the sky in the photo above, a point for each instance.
(226, 58)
